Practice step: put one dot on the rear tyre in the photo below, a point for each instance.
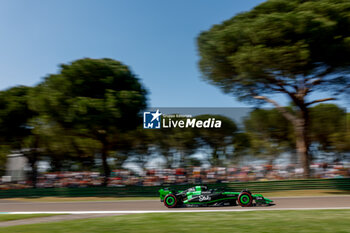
(170, 201)
(245, 199)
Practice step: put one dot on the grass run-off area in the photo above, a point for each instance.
(10, 217)
(289, 193)
(250, 221)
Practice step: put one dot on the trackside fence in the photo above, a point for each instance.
(152, 191)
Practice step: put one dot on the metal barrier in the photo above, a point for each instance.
(152, 191)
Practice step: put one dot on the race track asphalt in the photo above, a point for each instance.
(153, 205)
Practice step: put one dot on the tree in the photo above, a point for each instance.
(269, 132)
(92, 98)
(174, 144)
(62, 148)
(14, 116)
(218, 139)
(16, 131)
(326, 120)
(329, 129)
(293, 48)
(4, 151)
(136, 146)
(177, 143)
(340, 140)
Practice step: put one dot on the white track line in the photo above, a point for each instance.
(169, 211)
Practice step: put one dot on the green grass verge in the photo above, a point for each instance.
(10, 217)
(256, 221)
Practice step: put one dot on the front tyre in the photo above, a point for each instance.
(245, 199)
(170, 201)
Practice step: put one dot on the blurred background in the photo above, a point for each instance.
(276, 75)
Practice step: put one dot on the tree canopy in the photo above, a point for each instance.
(327, 120)
(294, 48)
(279, 47)
(270, 133)
(93, 98)
(14, 116)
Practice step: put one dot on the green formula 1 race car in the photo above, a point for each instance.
(202, 196)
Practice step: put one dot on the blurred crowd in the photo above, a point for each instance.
(192, 175)
(196, 175)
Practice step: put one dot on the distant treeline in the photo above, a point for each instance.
(88, 116)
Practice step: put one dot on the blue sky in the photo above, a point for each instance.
(156, 38)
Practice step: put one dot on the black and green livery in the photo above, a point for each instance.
(202, 196)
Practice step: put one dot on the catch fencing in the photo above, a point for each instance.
(152, 191)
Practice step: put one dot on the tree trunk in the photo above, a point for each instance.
(33, 158)
(182, 162)
(106, 169)
(300, 124)
(169, 159)
(302, 143)
(215, 157)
